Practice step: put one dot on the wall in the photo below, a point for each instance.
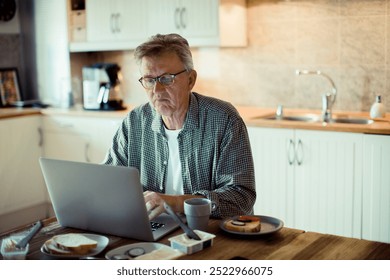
(17, 48)
(348, 40)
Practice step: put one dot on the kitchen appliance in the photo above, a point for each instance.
(101, 87)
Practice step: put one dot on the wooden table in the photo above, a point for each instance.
(287, 244)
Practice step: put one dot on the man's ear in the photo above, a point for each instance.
(192, 79)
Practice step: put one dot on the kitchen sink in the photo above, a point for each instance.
(312, 118)
(352, 120)
(300, 118)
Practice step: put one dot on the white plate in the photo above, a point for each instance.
(102, 243)
(137, 249)
(268, 225)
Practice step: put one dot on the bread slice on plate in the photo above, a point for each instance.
(74, 242)
(70, 244)
(244, 224)
(51, 247)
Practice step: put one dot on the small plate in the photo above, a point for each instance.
(102, 243)
(268, 225)
(133, 250)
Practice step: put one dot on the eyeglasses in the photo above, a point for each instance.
(165, 80)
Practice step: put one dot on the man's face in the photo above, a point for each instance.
(173, 99)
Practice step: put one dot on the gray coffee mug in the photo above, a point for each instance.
(197, 211)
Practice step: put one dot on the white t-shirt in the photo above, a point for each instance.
(174, 181)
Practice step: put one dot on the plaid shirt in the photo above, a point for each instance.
(214, 148)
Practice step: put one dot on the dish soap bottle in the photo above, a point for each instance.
(377, 109)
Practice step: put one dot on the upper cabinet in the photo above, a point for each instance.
(109, 25)
(123, 25)
(118, 20)
(196, 20)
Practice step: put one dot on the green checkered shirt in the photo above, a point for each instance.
(214, 148)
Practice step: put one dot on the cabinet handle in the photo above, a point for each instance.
(86, 152)
(291, 152)
(117, 25)
(299, 152)
(176, 19)
(182, 18)
(112, 18)
(40, 132)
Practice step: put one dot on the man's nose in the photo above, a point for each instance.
(158, 87)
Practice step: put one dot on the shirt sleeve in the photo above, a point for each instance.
(235, 192)
(118, 153)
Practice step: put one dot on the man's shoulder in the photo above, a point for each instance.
(218, 106)
(141, 110)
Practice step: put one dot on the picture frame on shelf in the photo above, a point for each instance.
(9, 87)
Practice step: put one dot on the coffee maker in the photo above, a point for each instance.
(101, 87)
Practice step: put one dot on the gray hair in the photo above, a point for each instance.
(159, 44)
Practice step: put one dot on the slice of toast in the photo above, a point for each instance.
(73, 243)
(244, 224)
(52, 248)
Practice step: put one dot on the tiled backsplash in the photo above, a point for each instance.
(348, 40)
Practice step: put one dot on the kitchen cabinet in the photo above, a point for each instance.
(274, 174)
(117, 20)
(123, 25)
(111, 25)
(21, 181)
(309, 179)
(328, 182)
(78, 138)
(376, 190)
(196, 20)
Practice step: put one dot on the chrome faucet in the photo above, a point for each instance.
(328, 98)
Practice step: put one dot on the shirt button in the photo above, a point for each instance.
(165, 162)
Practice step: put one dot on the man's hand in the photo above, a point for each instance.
(154, 204)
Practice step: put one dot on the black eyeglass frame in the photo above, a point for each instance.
(157, 79)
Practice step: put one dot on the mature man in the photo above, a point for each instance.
(184, 144)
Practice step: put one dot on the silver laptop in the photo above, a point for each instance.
(102, 198)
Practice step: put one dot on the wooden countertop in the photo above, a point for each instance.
(6, 113)
(254, 116)
(251, 115)
(286, 244)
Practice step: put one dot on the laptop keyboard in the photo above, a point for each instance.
(156, 225)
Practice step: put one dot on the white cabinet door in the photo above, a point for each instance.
(200, 19)
(66, 138)
(21, 181)
(103, 131)
(328, 182)
(196, 20)
(309, 179)
(118, 20)
(78, 138)
(67, 146)
(273, 172)
(376, 188)
(100, 20)
(163, 17)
